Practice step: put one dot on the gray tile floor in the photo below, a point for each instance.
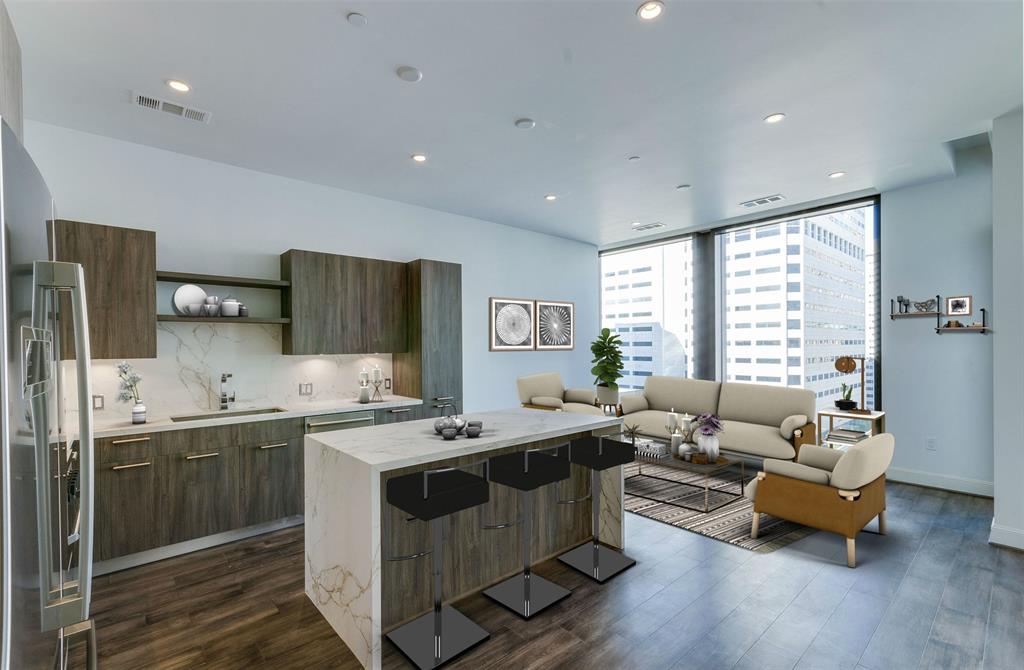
(932, 594)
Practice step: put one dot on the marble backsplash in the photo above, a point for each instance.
(185, 375)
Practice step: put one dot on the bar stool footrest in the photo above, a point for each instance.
(610, 562)
(416, 638)
(512, 594)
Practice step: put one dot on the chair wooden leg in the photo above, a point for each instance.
(881, 522)
(754, 525)
(851, 552)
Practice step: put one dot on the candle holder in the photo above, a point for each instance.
(377, 397)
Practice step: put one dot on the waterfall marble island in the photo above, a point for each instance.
(351, 529)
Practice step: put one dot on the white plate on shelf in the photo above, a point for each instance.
(185, 295)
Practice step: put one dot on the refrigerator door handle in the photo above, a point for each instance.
(86, 470)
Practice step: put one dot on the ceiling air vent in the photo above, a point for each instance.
(173, 108)
(765, 200)
(647, 226)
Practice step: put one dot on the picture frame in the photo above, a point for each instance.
(511, 324)
(961, 305)
(555, 325)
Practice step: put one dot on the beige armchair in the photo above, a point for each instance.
(827, 489)
(546, 391)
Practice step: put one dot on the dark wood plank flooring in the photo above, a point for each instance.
(930, 594)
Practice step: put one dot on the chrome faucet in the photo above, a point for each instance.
(225, 399)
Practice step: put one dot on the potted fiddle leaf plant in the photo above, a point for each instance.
(846, 403)
(607, 370)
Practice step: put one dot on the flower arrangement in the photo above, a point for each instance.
(128, 391)
(708, 424)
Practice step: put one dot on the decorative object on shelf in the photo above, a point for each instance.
(928, 305)
(607, 370)
(904, 304)
(229, 306)
(376, 378)
(847, 365)
(960, 305)
(953, 323)
(708, 427)
(194, 309)
(128, 390)
(185, 296)
(211, 309)
(845, 403)
(511, 324)
(243, 311)
(556, 325)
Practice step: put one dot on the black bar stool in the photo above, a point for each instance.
(526, 593)
(439, 636)
(594, 559)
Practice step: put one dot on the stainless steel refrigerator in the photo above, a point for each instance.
(47, 451)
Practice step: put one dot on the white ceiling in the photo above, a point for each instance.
(872, 88)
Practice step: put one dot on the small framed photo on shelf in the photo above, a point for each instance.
(959, 305)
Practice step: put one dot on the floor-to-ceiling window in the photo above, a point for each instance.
(796, 295)
(647, 298)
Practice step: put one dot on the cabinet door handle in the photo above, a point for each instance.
(131, 465)
(131, 440)
(400, 411)
(198, 456)
(274, 446)
(340, 421)
(447, 397)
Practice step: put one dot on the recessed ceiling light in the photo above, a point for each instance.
(836, 175)
(650, 10)
(682, 187)
(774, 118)
(551, 197)
(409, 73)
(179, 86)
(633, 159)
(525, 123)
(419, 158)
(356, 19)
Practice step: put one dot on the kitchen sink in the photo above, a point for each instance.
(227, 413)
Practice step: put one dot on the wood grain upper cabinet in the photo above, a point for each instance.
(120, 286)
(344, 304)
(432, 368)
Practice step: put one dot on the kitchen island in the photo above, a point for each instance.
(350, 528)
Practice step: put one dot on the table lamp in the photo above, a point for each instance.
(846, 365)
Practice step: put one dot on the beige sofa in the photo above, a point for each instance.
(546, 391)
(758, 420)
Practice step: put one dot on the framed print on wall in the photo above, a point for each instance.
(511, 324)
(556, 325)
(959, 306)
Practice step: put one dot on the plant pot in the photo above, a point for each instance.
(846, 405)
(607, 396)
(139, 413)
(709, 445)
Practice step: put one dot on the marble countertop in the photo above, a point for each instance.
(120, 427)
(400, 445)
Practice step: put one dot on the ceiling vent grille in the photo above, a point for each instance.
(765, 200)
(648, 226)
(173, 108)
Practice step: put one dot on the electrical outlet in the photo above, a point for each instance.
(387, 383)
(930, 444)
(306, 388)
(97, 402)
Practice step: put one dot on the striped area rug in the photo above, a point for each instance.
(728, 523)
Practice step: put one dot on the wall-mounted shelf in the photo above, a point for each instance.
(893, 314)
(222, 319)
(965, 329)
(221, 280)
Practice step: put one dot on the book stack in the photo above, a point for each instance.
(846, 436)
(651, 448)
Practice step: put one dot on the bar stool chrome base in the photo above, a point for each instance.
(416, 639)
(526, 595)
(601, 565)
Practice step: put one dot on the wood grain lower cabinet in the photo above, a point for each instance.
(129, 510)
(398, 414)
(271, 481)
(200, 492)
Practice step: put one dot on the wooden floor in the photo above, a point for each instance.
(930, 594)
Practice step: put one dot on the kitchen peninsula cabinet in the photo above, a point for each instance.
(120, 286)
(343, 304)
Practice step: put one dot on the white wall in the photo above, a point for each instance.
(214, 218)
(1008, 319)
(937, 239)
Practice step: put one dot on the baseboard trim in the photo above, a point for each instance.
(187, 547)
(976, 487)
(1006, 536)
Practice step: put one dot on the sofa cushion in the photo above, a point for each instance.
(650, 421)
(795, 471)
(585, 396)
(755, 440)
(863, 463)
(581, 408)
(547, 384)
(691, 396)
(546, 401)
(763, 404)
(633, 403)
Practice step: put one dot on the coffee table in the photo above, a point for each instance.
(707, 470)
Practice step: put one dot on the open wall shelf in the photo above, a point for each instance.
(937, 315)
(221, 280)
(222, 319)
